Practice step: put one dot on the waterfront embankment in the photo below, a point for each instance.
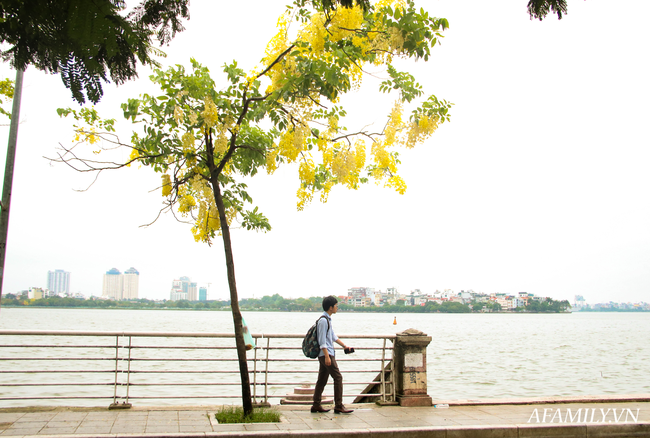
(611, 416)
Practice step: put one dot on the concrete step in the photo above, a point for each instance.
(303, 390)
(284, 401)
(305, 397)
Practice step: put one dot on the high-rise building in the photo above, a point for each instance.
(58, 281)
(203, 294)
(192, 292)
(579, 302)
(113, 285)
(184, 289)
(131, 284)
(118, 286)
(177, 293)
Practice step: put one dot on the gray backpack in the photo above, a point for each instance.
(310, 345)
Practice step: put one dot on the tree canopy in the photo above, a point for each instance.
(87, 42)
(199, 136)
(91, 42)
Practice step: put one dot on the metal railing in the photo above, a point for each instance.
(55, 366)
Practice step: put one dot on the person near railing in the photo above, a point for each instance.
(327, 361)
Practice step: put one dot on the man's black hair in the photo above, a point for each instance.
(329, 302)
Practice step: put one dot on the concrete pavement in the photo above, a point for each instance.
(576, 417)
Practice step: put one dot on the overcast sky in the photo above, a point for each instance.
(539, 183)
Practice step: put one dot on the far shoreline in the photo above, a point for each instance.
(224, 309)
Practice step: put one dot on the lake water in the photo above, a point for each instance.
(471, 356)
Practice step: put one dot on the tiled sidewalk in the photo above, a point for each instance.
(455, 421)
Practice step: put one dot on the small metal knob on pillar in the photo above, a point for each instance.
(411, 368)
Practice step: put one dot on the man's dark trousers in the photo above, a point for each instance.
(324, 372)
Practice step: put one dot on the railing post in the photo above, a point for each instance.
(266, 373)
(116, 404)
(128, 375)
(410, 368)
(265, 403)
(383, 372)
(255, 376)
(117, 358)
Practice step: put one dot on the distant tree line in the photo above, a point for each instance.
(547, 306)
(613, 309)
(11, 300)
(401, 307)
(277, 303)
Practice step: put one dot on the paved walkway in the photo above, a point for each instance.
(609, 417)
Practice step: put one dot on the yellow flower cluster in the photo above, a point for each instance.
(134, 156)
(186, 201)
(422, 129)
(397, 183)
(274, 48)
(315, 33)
(178, 114)
(345, 21)
(382, 158)
(204, 227)
(394, 124)
(324, 194)
(343, 165)
(307, 172)
(305, 196)
(188, 140)
(397, 3)
(83, 135)
(194, 118)
(198, 195)
(250, 77)
(346, 162)
(210, 113)
(220, 141)
(271, 163)
(293, 141)
(386, 43)
(343, 25)
(166, 185)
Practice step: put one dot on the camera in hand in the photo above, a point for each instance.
(348, 350)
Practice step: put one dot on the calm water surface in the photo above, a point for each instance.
(471, 356)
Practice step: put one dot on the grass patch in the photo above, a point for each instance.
(235, 414)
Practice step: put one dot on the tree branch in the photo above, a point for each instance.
(278, 59)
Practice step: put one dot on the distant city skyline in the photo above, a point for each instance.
(185, 289)
(126, 286)
(121, 286)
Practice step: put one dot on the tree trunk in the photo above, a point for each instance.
(247, 403)
(9, 174)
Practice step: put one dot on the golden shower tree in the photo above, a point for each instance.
(203, 137)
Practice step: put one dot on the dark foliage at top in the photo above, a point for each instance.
(540, 8)
(87, 41)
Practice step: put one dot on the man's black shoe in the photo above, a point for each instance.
(343, 410)
(315, 409)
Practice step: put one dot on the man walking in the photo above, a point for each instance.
(327, 362)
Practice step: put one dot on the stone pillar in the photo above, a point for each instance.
(410, 361)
